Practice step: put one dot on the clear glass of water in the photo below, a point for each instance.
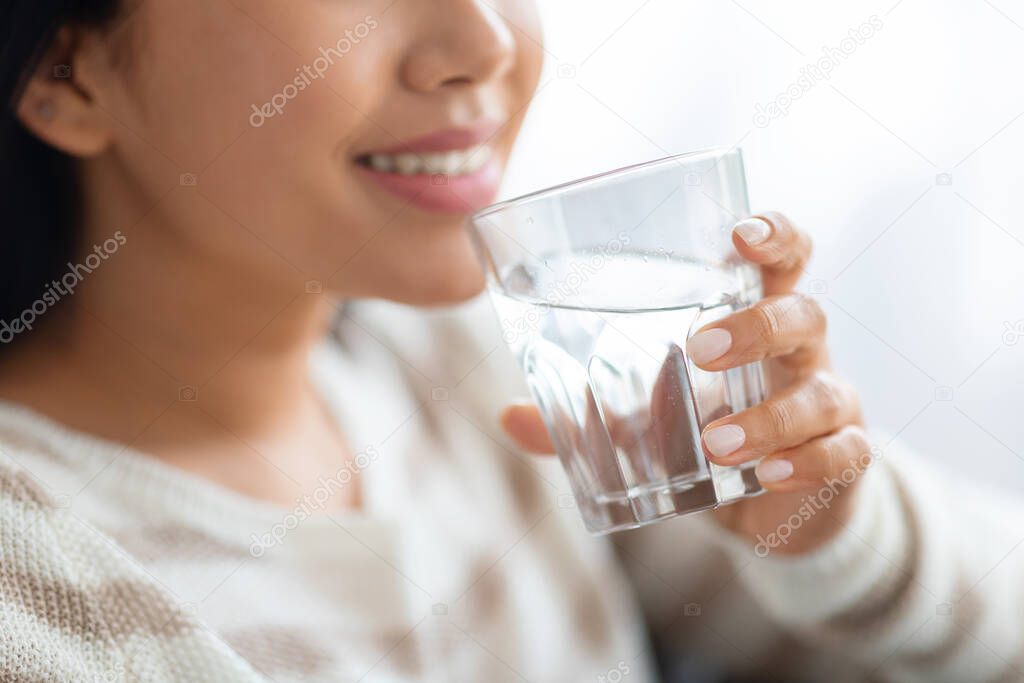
(598, 284)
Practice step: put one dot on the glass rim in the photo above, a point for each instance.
(497, 207)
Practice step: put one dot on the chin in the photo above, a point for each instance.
(423, 284)
(454, 286)
(418, 267)
(442, 272)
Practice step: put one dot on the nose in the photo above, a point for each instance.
(464, 42)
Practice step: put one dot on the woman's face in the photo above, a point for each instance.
(345, 140)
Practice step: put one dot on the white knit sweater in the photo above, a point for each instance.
(468, 562)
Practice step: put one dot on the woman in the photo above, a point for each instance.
(200, 483)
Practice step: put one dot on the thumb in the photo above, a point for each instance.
(523, 423)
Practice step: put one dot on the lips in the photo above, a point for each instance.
(457, 162)
(449, 171)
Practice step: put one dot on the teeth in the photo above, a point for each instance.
(379, 162)
(455, 163)
(407, 164)
(451, 164)
(476, 159)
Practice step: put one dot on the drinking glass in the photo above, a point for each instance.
(598, 284)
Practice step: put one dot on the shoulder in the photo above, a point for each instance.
(27, 510)
(70, 599)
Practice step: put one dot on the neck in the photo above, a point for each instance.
(207, 315)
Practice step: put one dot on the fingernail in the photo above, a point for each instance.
(769, 471)
(722, 441)
(753, 231)
(705, 347)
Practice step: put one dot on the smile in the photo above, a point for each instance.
(453, 163)
(455, 171)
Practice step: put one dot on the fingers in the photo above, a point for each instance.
(779, 247)
(815, 406)
(791, 325)
(837, 458)
(523, 423)
(807, 437)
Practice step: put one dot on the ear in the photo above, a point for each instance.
(60, 104)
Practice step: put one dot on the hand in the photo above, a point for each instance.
(808, 432)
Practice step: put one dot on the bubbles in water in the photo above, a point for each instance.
(629, 281)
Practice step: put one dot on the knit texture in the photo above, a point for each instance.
(461, 566)
(74, 608)
(468, 561)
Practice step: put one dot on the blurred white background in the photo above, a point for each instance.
(902, 165)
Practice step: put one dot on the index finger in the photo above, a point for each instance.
(773, 242)
(522, 421)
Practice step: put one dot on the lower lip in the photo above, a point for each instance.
(463, 194)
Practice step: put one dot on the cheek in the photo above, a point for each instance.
(252, 118)
(290, 183)
(226, 95)
(202, 67)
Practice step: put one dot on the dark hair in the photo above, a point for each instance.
(38, 189)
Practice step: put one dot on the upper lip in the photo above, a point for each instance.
(444, 140)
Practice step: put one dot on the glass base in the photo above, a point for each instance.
(608, 515)
(751, 486)
(736, 483)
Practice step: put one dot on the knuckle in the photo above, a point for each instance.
(848, 396)
(781, 420)
(768, 323)
(833, 455)
(827, 395)
(799, 251)
(779, 253)
(812, 312)
(858, 447)
(845, 455)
